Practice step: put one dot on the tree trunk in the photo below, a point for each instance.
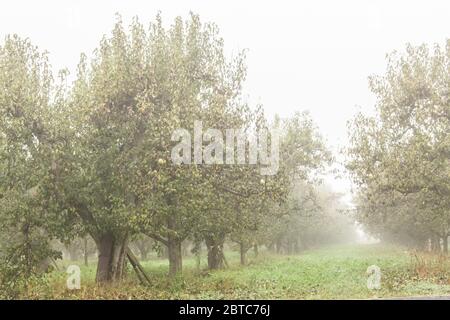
(85, 251)
(175, 256)
(198, 261)
(215, 253)
(111, 258)
(279, 245)
(72, 250)
(256, 250)
(144, 248)
(296, 246)
(435, 245)
(289, 246)
(242, 250)
(173, 247)
(445, 245)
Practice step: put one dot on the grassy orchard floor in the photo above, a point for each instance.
(327, 273)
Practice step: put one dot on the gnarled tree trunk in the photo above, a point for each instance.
(215, 252)
(111, 257)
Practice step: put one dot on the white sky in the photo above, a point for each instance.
(302, 55)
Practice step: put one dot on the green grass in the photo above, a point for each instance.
(330, 273)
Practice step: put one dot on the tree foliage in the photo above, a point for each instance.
(400, 157)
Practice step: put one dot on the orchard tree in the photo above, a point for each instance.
(401, 155)
(29, 101)
(103, 128)
(115, 173)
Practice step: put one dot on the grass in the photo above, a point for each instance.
(329, 273)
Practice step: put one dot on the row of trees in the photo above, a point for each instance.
(400, 157)
(93, 158)
(312, 215)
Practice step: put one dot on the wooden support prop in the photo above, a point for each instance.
(140, 272)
